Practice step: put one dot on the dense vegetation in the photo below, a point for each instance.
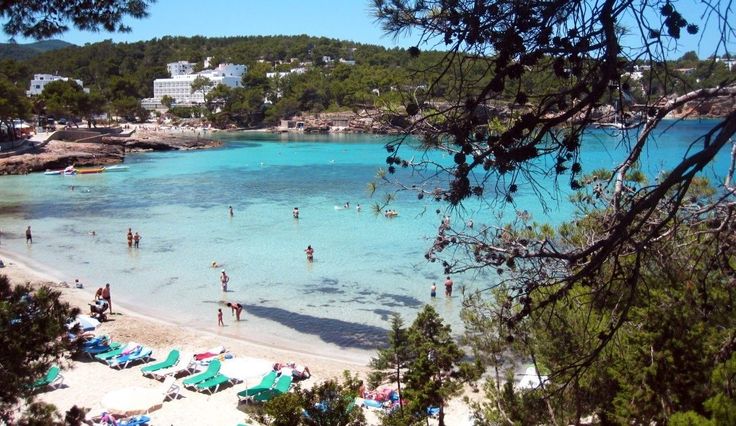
(390, 79)
(22, 52)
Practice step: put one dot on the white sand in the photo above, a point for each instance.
(87, 382)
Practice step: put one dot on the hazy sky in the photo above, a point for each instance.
(341, 19)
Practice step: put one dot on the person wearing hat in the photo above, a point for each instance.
(224, 279)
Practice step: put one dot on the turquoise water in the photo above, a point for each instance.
(366, 266)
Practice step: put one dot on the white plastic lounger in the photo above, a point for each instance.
(186, 364)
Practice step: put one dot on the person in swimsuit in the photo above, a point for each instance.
(236, 309)
(433, 290)
(130, 237)
(295, 213)
(224, 279)
(29, 236)
(220, 323)
(106, 296)
(448, 287)
(136, 240)
(310, 253)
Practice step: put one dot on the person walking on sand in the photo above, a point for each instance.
(130, 237)
(29, 236)
(224, 279)
(310, 253)
(448, 287)
(136, 240)
(219, 318)
(106, 296)
(433, 291)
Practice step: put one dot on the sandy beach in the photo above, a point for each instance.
(87, 382)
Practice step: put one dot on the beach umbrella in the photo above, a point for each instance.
(245, 369)
(86, 323)
(131, 401)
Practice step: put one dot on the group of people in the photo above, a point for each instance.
(235, 308)
(101, 302)
(134, 240)
(448, 288)
(391, 213)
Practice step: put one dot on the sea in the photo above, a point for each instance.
(366, 266)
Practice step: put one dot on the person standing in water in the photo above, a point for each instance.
(130, 237)
(136, 240)
(310, 253)
(230, 210)
(433, 291)
(448, 287)
(29, 236)
(224, 279)
(295, 213)
(236, 309)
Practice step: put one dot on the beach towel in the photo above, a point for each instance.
(210, 353)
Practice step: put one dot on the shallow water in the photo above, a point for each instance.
(366, 266)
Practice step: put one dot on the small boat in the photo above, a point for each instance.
(90, 170)
(53, 172)
(116, 168)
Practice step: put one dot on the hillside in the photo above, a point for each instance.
(21, 52)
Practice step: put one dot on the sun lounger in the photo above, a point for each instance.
(52, 378)
(212, 370)
(171, 360)
(117, 352)
(213, 384)
(142, 353)
(135, 421)
(266, 383)
(186, 364)
(100, 349)
(281, 387)
(169, 388)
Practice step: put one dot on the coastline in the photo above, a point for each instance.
(20, 269)
(87, 382)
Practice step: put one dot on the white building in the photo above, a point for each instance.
(180, 68)
(179, 85)
(39, 81)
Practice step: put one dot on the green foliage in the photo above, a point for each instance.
(430, 357)
(65, 99)
(13, 104)
(330, 403)
(43, 19)
(285, 410)
(32, 323)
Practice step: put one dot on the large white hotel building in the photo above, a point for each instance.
(179, 85)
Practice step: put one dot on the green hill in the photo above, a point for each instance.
(20, 52)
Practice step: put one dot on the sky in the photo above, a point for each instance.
(342, 19)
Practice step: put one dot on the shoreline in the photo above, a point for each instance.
(20, 269)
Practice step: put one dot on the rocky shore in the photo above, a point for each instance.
(58, 154)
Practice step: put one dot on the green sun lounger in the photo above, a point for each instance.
(171, 360)
(50, 379)
(212, 370)
(266, 383)
(116, 348)
(281, 387)
(213, 384)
